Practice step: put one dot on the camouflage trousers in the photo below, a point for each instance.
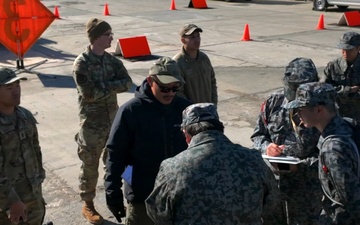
(35, 213)
(91, 144)
(136, 215)
(301, 198)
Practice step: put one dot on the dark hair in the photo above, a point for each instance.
(331, 108)
(195, 128)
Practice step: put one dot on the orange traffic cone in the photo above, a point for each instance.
(320, 25)
(172, 6)
(56, 13)
(246, 35)
(106, 10)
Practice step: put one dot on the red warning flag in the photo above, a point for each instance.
(21, 24)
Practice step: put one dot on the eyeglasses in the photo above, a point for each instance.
(108, 34)
(192, 36)
(164, 89)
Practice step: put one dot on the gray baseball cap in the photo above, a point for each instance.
(313, 94)
(199, 112)
(7, 76)
(166, 70)
(189, 29)
(349, 40)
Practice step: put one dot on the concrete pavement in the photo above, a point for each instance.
(246, 71)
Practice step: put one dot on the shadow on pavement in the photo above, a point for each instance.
(57, 81)
(41, 49)
(274, 2)
(337, 10)
(140, 58)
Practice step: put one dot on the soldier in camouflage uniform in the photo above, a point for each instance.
(339, 157)
(214, 181)
(277, 133)
(99, 77)
(344, 74)
(21, 170)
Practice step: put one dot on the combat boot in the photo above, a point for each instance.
(90, 213)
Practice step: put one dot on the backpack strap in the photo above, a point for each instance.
(357, 155)
(322, 161)
(354, 148)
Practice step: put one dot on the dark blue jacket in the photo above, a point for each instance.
(143, 134)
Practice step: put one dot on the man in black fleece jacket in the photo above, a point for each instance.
(143, 134)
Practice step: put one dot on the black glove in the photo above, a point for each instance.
(118, 211)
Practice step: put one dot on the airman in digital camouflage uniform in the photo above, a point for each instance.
(344, 74)
(214, 181)
(99, 78)
(21, 170)
(279, 132)
(339, 157)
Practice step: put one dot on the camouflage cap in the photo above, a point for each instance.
(199, 112)
(7, 76)
(301, 70)
(166, 70)
(349, 40)
(189, 29)
(312, 94)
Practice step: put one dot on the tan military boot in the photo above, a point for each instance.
(90, 213)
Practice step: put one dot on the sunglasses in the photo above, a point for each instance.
(164, 89)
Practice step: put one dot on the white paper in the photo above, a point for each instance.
(282, 159)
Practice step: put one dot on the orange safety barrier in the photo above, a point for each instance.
(198, 4)
(132, 47)
(351, 19)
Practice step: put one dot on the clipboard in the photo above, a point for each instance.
(282, 159)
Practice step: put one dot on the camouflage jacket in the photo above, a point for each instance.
(338, 169)
(342, 77)
(21, 170)
(98, 82)
(213, 182)
(274, 126)
(199, 76)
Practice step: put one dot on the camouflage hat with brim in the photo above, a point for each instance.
(313, 94)
(301, 70)
(7, 76)
(166, 70)
(199, 112)
(349, 40)
(188, 29)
